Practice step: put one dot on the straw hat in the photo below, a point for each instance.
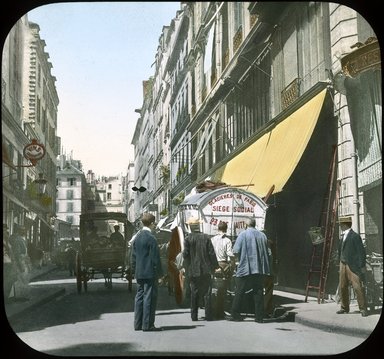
(193, 220)
(345, 219)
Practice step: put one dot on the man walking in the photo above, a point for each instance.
(147, 269)
(352, 266)
(201, 263)
(251, 247)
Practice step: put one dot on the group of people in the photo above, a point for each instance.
(204, 257)
(17, 264)
(94, 241)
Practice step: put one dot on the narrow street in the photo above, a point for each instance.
(100, 323)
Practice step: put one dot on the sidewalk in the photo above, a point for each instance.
(322, 316)
(15, 307)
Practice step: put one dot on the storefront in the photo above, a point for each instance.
(293, 157)
(362, 83)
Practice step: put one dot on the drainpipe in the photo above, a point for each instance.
(356, 201)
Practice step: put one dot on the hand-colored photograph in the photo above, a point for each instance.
(191, 179)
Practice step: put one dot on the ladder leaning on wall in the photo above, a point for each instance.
(322, 236)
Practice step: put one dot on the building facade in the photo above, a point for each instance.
(71, 190)
(29, 116)
(128, 194)
(259, 98)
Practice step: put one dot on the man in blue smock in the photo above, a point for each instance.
(252, 250)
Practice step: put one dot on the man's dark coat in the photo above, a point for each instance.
(199, 254)
(352, 252)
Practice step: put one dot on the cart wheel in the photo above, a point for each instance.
(181, 289)
(109, 280)
(128, 276)
(79, 273)
(85, 282)
(78, 281)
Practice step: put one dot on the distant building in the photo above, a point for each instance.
(71, 188)
(110, 193)
(104, 194)
(128, 194)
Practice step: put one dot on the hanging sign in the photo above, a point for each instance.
(34, 151)
(365, 57)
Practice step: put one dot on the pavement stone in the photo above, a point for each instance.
(322, 316)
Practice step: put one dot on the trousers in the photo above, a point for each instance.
(346, 276)
(145, 303)
(256, 283)
(201, 287)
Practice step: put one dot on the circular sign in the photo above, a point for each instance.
(34, 151)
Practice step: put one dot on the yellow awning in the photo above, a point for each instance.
(272, 159)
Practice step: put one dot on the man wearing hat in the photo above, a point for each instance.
(200, 257)
(116, 237)
(352, 266)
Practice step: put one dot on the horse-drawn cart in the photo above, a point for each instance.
(103, 251)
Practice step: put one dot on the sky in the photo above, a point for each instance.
(101, 53)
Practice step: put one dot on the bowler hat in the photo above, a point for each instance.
(193, 220)
(345, 219)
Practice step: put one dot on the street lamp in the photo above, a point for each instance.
(41, 184)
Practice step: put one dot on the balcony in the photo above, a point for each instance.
(290, 94)
(237, 39)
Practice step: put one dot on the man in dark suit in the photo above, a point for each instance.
(200, 258)
(146, 265)
(352, 266)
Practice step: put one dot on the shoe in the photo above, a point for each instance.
(363, 313)
(194, 319)
(259, 321)
(342, 311)
(153, 329)
(234, 319)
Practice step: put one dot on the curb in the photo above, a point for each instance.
(43, 273)
(356, 332)
(43, 300)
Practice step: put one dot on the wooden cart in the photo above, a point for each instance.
(103, 254)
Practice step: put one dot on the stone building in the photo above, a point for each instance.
(29, 117)
(71, 190)
(263, 96)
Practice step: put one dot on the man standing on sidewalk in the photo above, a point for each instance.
(146, 265)
(252, 249)
(352, 266)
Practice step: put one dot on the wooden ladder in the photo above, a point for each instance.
(321, 252)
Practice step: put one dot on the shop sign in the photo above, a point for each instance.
(231, 206)
(365, 57)
(34, 151)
